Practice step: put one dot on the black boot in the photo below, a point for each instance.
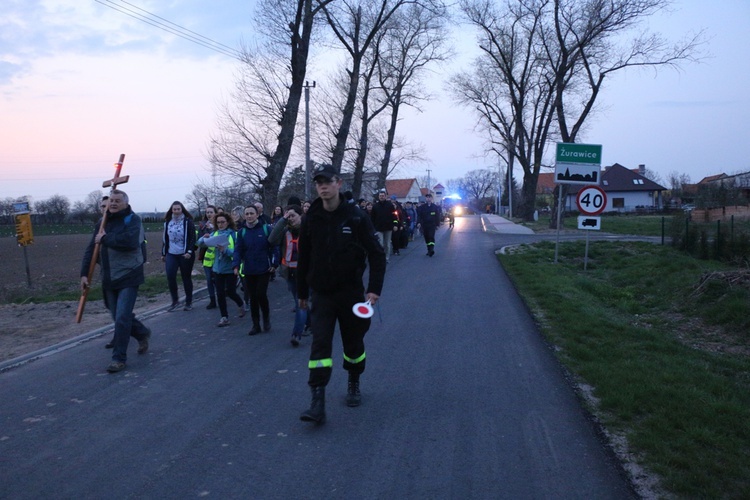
(317, 411)
(353, 396)
(266, 324)
(255, 330)
(212, 304)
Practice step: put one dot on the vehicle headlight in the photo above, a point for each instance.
(458, 210)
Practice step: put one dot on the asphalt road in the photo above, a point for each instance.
(461, 399)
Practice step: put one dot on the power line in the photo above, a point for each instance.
(170, 27)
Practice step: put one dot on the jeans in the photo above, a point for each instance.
(210, 282)
(300, 315)
(185, 266)
(121, 303)
(385, 241)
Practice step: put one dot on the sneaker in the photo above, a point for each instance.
(173, 307)
(295, 340)
(110, 344)
(255, 330)
(211, 305)
(188, 307)
(224, 321)
(116, 366)
(247, 307)
(241, 314)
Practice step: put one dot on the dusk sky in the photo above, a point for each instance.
(81, 83)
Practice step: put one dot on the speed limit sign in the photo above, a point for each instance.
(591, 200)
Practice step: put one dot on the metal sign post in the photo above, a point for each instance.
(591, 201)
(24, 233)
(576, 164)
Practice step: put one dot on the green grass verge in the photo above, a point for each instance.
(645, 225)
(627, 327)
(67, 291)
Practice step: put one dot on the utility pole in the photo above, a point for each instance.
(429, 182)
(308, 164)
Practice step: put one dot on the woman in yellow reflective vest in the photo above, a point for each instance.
(222, 270)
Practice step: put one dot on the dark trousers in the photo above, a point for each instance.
(326, 310)
(120, 304)
(256, 286)
(226, 286)
(429, 236)
(185, 266)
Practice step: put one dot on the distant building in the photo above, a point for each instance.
(403, 189)
(628, 190)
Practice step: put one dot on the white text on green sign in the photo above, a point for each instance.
(579, 153)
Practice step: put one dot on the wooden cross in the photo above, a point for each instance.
(113, 182)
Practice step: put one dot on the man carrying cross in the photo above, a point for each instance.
(121, 259)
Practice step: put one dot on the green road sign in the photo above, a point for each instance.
(579, 153)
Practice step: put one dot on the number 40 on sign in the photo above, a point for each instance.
(591, 200)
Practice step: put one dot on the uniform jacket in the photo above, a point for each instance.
(254, 251)
(121, 252)
(334, 249)
(429, 215)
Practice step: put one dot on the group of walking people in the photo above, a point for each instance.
(322, 249)
(396, 224)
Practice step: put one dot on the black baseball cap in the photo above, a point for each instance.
(324, 170)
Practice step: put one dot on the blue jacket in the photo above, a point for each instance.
(254, 251)
(223, 259)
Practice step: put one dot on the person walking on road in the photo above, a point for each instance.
(206, 255)
(429, 217)
(383, 220)
(222, 257)
(337, 242)
(285, 234)
(257, 258)
(121, 257)
(178, 252)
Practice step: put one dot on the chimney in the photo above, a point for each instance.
(642, 169)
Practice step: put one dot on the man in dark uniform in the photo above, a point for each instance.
(337, 240)
(429, 216)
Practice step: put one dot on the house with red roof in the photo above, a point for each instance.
(628, 190)
(403, 189)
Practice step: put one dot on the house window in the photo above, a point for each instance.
(637, 181)
(618, 202)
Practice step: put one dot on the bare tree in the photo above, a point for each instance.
(257, 134)
(54, 209)
(356, 24)
(554, 56)
(510, 88)
(478, 185)
(416, 37)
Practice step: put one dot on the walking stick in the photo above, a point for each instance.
(95, 256)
